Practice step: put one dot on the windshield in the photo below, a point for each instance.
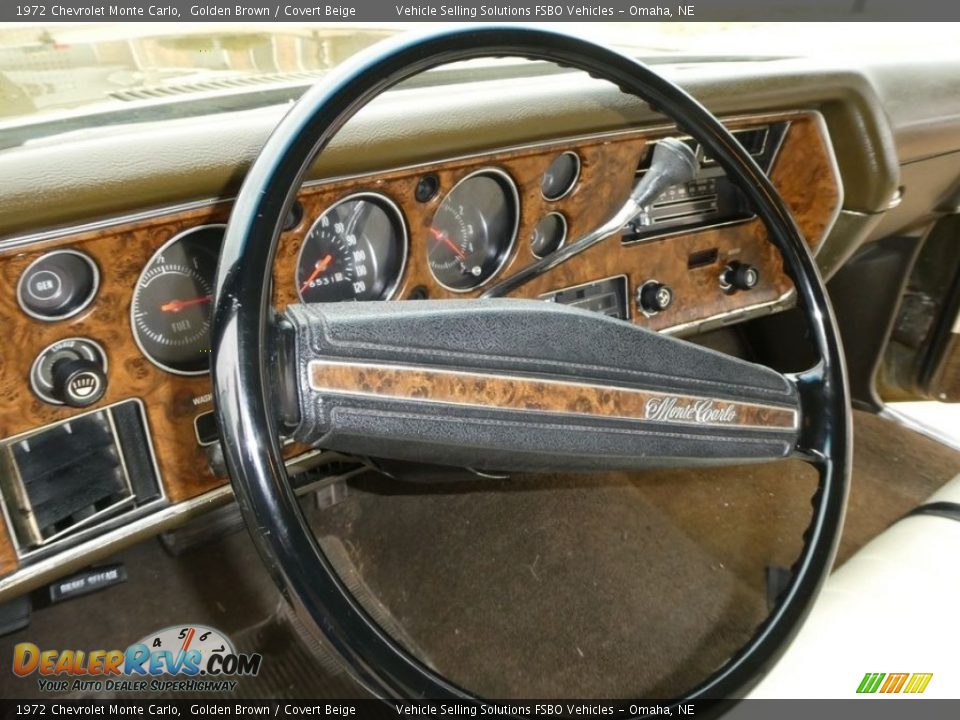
(78, 72)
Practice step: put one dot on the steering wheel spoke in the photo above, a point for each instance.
(813, 390)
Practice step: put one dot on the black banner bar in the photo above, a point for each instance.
(854, 709)
(394, 11)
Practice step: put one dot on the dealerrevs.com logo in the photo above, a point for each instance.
(189, 658)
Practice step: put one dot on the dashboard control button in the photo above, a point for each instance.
(654, 297)
(205, 426)
(78, 382)
(70, 372)
(427, 188)
(739, 276)
(57, 285)
(561, 176)
(548, 235)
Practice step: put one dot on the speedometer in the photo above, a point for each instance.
(355, 251)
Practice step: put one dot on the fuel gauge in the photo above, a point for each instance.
(170, 312)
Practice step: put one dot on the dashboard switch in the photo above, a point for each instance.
(71, 372)
(739, 276)
(654, 297)
(79, 382)
(58, 285)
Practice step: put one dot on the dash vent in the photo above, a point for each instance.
(212, 85)
(74, 475)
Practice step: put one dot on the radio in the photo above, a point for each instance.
(709, 201)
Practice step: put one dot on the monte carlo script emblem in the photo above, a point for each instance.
(690, 410)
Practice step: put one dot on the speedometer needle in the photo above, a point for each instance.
(321, 265)
(444, 239)
(178, 305)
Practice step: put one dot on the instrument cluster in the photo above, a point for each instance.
(441, 230)
(356, 250)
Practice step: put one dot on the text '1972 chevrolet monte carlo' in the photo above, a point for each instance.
(479, 361)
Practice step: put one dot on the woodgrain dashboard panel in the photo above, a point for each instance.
(804, 172)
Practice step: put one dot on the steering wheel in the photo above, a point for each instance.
(406, 381)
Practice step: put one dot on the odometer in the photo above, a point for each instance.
(170, 312)
(354, 251)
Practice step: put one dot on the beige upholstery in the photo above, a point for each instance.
(892, 608)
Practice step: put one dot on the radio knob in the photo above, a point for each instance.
(740, 276)
(78, 382)
(654, 297)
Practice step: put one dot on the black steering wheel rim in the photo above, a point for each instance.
(244, 351)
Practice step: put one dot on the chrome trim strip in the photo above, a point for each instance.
(728, 318)
(48, 569)
(656, 131)
(17, 241)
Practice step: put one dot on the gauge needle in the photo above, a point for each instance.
(444, 239)
(187, 640)
(321, 265)
(178, 305)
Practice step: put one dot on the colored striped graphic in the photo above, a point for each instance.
(894, 682)
(918, 682)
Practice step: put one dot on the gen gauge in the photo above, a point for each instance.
(171, 308)
(356, 250)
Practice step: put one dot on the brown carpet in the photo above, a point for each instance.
(541, 587)
(607, 585)
(894, 470)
